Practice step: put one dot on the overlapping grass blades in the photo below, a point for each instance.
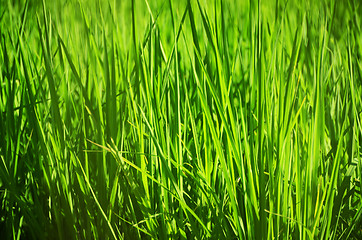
(180, 120)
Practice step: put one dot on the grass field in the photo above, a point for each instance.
(184, 119)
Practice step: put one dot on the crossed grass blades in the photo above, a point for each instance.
(189, 120)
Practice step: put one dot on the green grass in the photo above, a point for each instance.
(180, 120)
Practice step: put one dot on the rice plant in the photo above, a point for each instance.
(188, 119)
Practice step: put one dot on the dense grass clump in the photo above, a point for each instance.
(180, 119)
